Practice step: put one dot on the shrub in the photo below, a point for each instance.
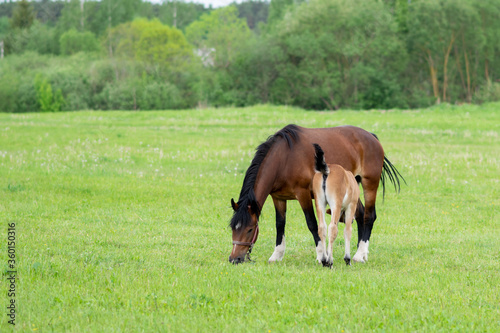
(489, 92)
(73, 41)
(47, 100)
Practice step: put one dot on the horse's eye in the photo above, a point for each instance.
(249, 231)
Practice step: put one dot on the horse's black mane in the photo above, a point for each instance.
(247, 198)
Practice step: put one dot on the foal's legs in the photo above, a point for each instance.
(279, 250)
(320, 202)
(333, 229)
(349, 215)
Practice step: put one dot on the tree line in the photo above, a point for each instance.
(316, 54)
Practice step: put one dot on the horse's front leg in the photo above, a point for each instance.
(279, 250)
(305, 201)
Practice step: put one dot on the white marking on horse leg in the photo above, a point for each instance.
(365, 253)
(362, 253)
(321, 252)
(279, 251)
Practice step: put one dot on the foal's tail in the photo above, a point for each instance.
(319, 162)
(390, 172)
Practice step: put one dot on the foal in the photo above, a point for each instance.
(335, 186)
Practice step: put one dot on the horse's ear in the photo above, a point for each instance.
(234, 205)
(329, 211)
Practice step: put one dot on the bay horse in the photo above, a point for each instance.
(335, 186)
(283, 167)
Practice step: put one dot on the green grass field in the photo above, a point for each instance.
(122, 225)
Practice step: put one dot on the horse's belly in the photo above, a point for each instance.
(284, 195)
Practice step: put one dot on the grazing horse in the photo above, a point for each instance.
(283, 167)
(335, 186)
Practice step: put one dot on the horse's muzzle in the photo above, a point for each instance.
(237, 260)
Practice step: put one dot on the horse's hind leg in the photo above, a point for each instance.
(360, 219)
(279, 250)
(370, 194)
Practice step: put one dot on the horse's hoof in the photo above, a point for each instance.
(358, 259)
(347, 261)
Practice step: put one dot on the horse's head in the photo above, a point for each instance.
(245, 226)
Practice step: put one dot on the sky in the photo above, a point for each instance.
(214, 3)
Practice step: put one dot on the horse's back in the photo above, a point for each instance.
(353, 148)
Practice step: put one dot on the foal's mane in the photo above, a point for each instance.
(289, 133)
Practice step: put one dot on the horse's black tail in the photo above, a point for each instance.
(390, 172)
(319, 162)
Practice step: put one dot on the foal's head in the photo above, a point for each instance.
(245, 230)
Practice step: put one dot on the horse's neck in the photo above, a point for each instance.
(264, 182)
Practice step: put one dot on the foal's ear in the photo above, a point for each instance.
(234, 205)
(329, 211)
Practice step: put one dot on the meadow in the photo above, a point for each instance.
(122, 225)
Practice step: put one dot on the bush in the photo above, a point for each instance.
(38, 38)
(9, 87)
(489, 92)
(47, 100)
(73, 41)
(159, 96)
(136, 94)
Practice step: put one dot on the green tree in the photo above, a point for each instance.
(220, 38)
(222, 32)
(114, 12)
(401, 13)
(180, 14)
(73, 41)
(489, 13)
(38, 37)
(339, 53)
(47, 100)
(145, 51)
(4, 26)
(254, 12)
(73, 16)
(48, 12)
(278, 9)
(151, 42)
(23, 15)
(41, 38)
(441, 33)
